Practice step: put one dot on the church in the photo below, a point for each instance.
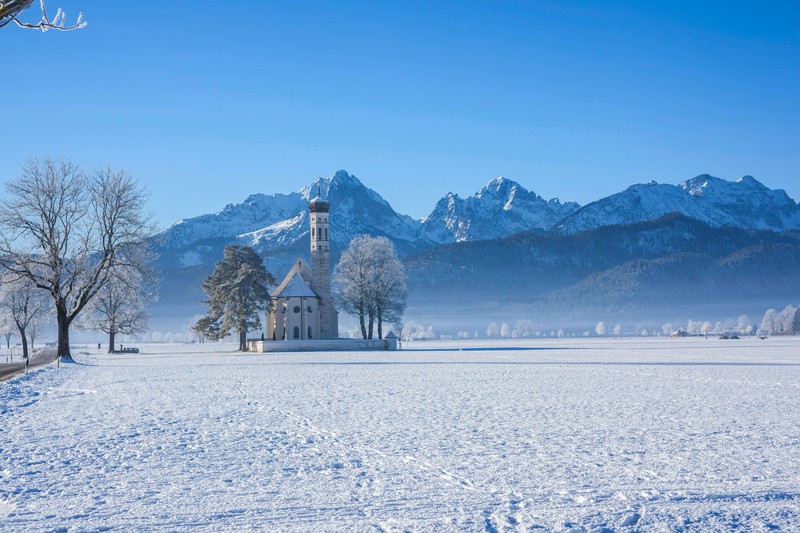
(302, 306)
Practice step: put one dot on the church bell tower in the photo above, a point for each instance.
(321, 264)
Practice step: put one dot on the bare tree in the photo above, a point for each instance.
(35, 327)
(351, 282)
(11, 9)
(387, 286)
(771, 322)
(119, 308)
(370, 283)
(69, 233)
(24, 305)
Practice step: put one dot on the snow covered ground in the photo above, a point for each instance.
(569, 434)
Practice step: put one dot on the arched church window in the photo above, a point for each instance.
(309, 332)
(326, 234)
(313, 233)
(296, 332)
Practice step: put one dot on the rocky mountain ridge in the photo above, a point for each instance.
(493, 245)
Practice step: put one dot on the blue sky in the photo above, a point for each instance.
(206, 104)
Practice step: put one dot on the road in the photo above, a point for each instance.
(42, 357)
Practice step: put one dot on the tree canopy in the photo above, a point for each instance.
(371, 284)
(237, 291)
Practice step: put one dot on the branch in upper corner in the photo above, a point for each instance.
(10, 9)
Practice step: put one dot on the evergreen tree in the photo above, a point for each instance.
(237, 290)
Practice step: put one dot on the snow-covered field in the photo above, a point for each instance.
(578, 434)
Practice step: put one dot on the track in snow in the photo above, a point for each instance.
(626, 435)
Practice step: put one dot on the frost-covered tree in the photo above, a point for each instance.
(68, 232)
(370, 283)
(23, 305)
(387, 284)
(561, 334)
(414, 331)
(492, 330)
(742, 324)
(617, 330)
(237, 290)
(120, 307)
(505, 330)
(11, 9)
(524, 328)
(463, 335)
(771, 322)
(600, 328)
(787, 319)
(796, 322)
(645, 333)
(667, 329)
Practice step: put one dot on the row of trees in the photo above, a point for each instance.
(79, 241)
(785, 322)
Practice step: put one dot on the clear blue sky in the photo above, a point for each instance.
(206, 103)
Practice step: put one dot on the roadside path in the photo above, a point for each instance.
(40, 358)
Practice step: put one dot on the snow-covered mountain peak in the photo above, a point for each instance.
(499, 188)
(750, 180)
(745, 203)
(499, 208)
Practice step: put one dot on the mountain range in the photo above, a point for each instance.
(504, 239)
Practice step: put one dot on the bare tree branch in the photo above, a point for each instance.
(10, 10)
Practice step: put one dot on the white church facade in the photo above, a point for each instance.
(302, 306)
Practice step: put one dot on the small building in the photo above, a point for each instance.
(302, 306)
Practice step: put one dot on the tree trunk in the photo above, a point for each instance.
(380, 323)
(111, 339)
(24, 343)
(363, 325)
(371, 325)
(63, 332)
(243, 340)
